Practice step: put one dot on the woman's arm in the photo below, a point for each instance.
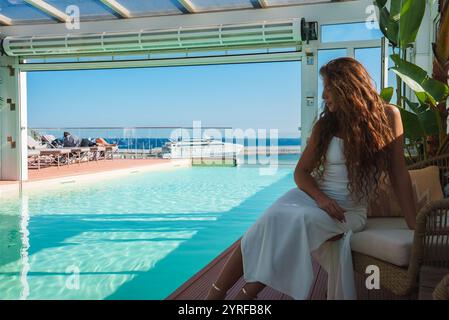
(307, 183)
(398, 173)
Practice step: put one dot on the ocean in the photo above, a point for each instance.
(150, 143)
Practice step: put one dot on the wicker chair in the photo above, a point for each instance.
(430, 243)
(441, 291)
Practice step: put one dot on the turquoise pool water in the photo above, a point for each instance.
(138, 237)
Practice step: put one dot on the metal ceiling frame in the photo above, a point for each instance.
(49, 9)
(188, 5)
(263, 3)
(324, 13)
(4, 20)
(118, 8)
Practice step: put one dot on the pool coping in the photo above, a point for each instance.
(12, 189)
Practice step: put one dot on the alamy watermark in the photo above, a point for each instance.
(73, 279)
(371, 21)
(73, 21)
(372, 281)
(248, 146)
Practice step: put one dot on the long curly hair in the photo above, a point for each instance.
(359, 116)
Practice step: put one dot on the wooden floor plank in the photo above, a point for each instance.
(197, 287)
(319, 290)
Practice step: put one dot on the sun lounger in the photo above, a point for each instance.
(67, 155)
(34, 145)
(48, 138)
(34, 159)
(57, 156)
(97, 153)
(110, 150)
(81, 153)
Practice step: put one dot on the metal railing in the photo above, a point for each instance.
(133, 142)
(149, 141)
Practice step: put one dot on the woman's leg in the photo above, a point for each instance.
(233, 271)
(103, 142)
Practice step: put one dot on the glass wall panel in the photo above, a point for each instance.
(349, 32)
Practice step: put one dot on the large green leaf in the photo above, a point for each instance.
(395, 10)
(428, 118)
(401, 23)
(380, 3)
(411, 16)
(429, 121)
(387, 93)
(418, 80)
(388, 26)
(415, 106)
(413, 129)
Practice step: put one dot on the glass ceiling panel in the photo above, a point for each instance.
(21, 12)
(152, 7)
(289, 2)
(213, 5)
(89, 9)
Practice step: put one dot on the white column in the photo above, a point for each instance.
(23, 118)
(13, 121)
(309, 89)
(423, 55)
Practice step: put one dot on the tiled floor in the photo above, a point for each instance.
(86, 168)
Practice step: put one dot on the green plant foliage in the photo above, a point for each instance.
(400, 23)
(387, 93)
(426, 88)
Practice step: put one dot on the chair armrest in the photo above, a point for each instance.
(441, 161)
(441, 291)
(431, 237)
(433, 218)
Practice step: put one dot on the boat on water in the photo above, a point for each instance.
(200, 148)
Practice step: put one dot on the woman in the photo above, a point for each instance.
(356, 142)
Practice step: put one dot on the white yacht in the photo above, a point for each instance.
(200, 148)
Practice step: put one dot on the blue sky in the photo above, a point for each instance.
(259, 95)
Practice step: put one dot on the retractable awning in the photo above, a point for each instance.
(219, 37)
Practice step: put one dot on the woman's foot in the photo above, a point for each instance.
(245, 295)
(215, 293)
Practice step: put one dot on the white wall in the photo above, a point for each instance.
(13, 121)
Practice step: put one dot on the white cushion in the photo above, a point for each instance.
(387, 239)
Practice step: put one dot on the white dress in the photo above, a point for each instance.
(277, 249)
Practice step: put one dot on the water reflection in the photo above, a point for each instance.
(136, 238)
(24, 257)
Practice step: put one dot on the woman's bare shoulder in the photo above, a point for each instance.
(394, 117)
(393, 113)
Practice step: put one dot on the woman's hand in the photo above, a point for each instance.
(332, 208)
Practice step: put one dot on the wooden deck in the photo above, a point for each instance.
(196, 287)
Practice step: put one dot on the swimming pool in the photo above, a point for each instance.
(138, 237)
